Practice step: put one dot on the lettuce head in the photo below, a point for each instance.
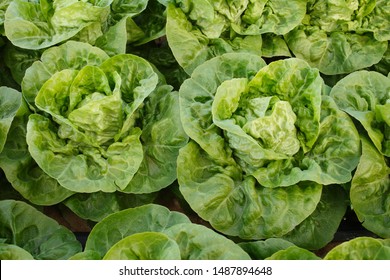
(264, 140)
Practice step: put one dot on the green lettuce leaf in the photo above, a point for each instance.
(13, 252)
(144, 246)
(10, 102)
(160, 55)
(365, 95)
(274, 46)
(117, 226)
(370, 190)
(152, 21)
(197, 242)
(265, 16)
(18, 60)
(132, 23)
(162, 137)
(118, 35)
(24, 226)
(96, 206)
(361, 248)
(384, 65)
(97, 122)
(86, 255)
(294, 253)
(319, 229)
(262, 249)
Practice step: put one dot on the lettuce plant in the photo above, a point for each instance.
(342, 36)
(260, 136)
(100, 123)
(212, 27)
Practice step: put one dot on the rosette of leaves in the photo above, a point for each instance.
(200, 30)
(342, 36)
(100, 123)
(264, 140)
(365, 96)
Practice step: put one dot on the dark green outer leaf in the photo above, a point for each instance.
(18, 60)
(41, 236)
(262, 249)
(98, 205)
(10, 102)
(13, 252)
(320, 227)
(370, 190)
(152, 218)
(162, 137)
(365, 96)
